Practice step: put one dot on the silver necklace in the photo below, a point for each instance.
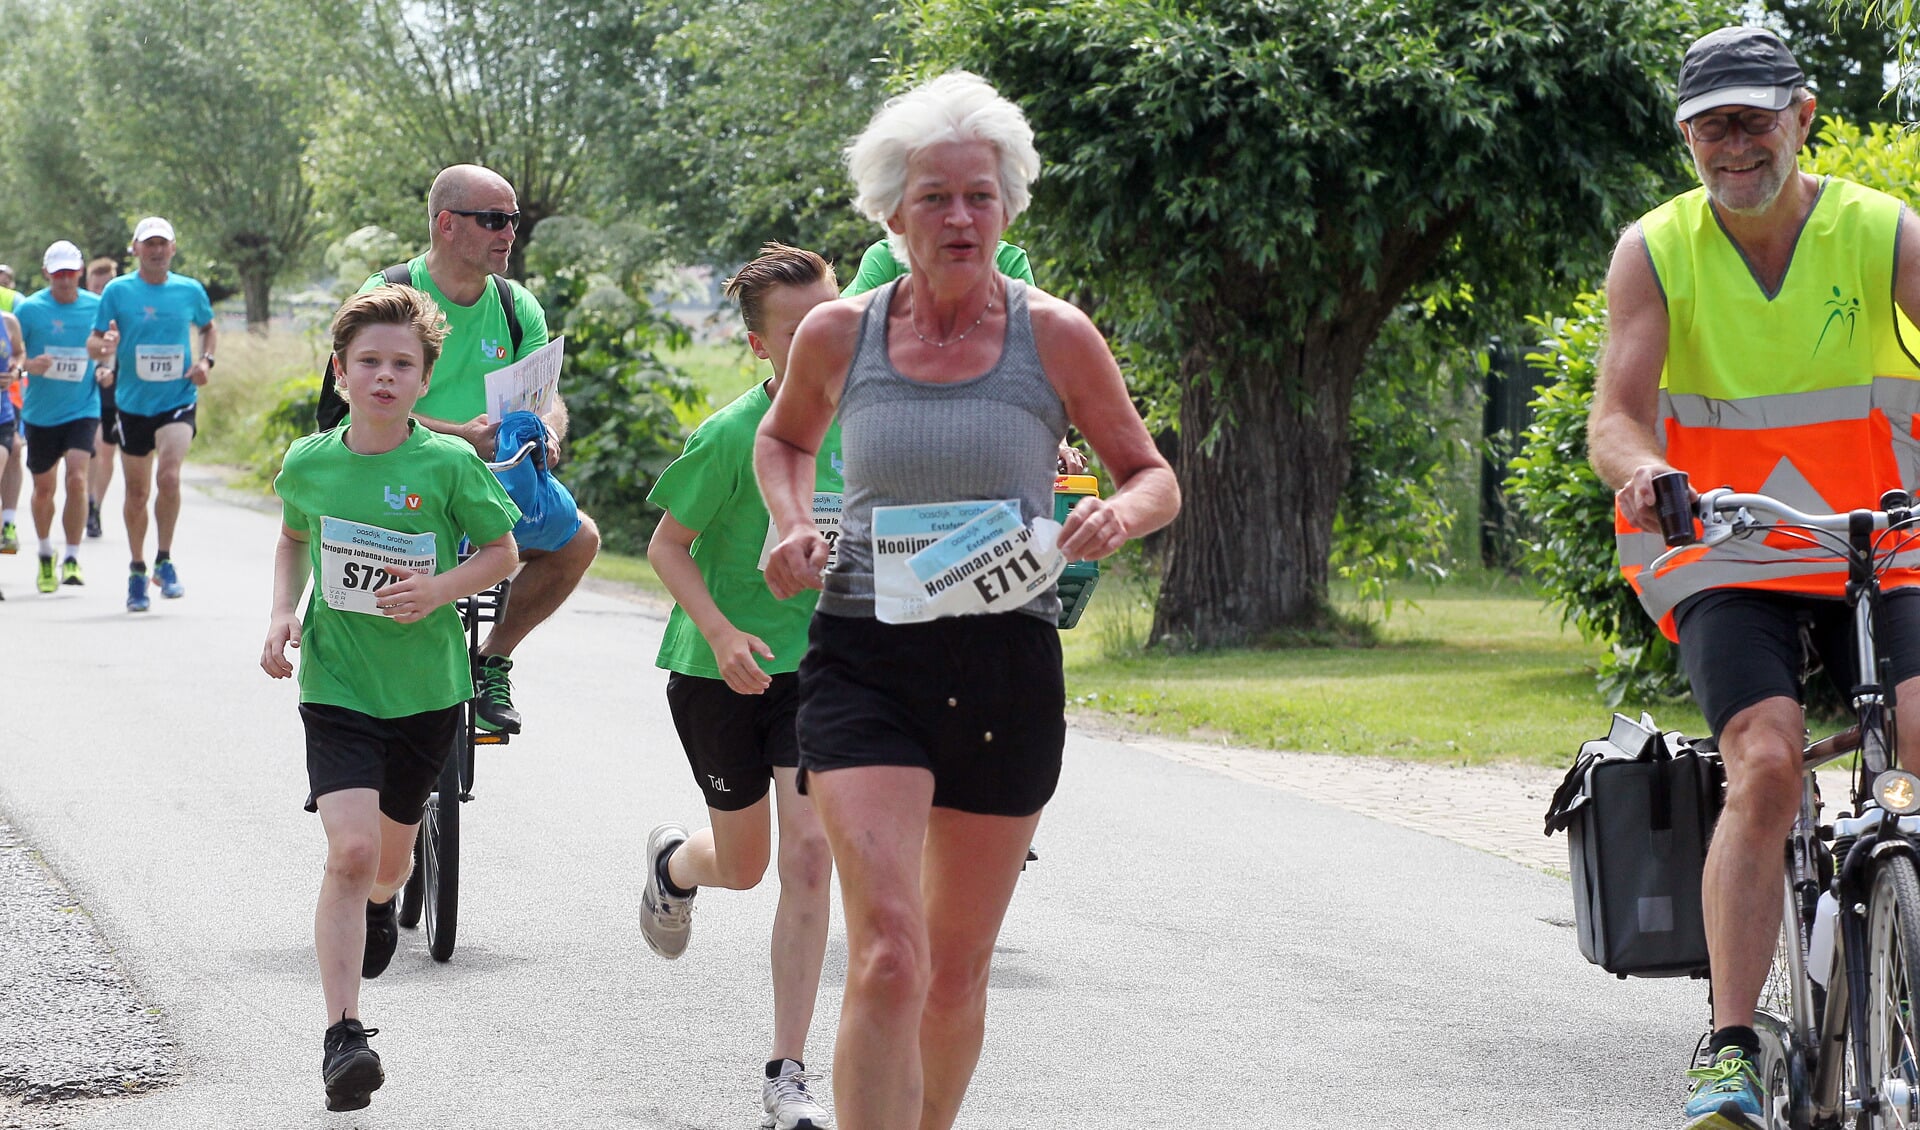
(961, 336)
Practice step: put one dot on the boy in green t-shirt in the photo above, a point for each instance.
(733, 650)
(377, 508)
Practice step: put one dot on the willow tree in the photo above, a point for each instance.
(1249, 188)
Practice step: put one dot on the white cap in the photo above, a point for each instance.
(152, 226)
(62, 256)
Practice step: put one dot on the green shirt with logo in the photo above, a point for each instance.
(430, 485)
(478, 342)
(711, 488)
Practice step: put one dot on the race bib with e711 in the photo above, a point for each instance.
(356, 559)
(160, 362)
(69, 362)
(959, 559)
(827, 505)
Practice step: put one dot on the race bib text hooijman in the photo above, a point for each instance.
(959, 559)
(356, 559)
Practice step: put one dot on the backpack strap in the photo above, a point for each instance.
(505, 290)
(398, 275)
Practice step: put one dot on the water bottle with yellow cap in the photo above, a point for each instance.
(1077, 582)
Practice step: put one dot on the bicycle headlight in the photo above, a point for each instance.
(1898, 792)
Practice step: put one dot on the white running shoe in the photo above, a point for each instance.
(666, 920)
(789, 1105)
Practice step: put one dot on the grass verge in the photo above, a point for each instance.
(1472, 674)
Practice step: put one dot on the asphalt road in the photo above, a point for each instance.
(1192, 950)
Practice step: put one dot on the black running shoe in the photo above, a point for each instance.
(383, 934)
(351, 1069)
(493, 695)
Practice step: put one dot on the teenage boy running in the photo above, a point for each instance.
(732, 650)
(377, 509)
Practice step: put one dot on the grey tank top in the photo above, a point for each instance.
(907, 442)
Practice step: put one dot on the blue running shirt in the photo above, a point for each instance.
(156, 340)
(67, 391)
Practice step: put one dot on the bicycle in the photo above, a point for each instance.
(1839, 1046)
(432, 890)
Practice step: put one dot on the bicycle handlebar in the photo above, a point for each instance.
(1722, 512)
(515, 459)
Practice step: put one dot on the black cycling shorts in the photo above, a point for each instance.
(399, 757)
(46, 446)
(979, 701)
(734, 740)
(1740, 646)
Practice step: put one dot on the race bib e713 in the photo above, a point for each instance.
(959, 559)
(356, 559)
(69, 362)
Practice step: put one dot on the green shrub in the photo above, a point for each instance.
(1569, 512)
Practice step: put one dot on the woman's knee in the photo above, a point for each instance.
(890, 957)
(806, 860)
(741, 867)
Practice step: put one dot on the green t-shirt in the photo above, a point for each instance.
(430, 485)
(477, 343)
(879, 267)
(711, 489)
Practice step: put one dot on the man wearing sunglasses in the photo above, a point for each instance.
(1754, 342)
(475, 217)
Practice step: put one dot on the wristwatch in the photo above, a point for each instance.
(207, 360)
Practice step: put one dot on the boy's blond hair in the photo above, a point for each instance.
(392, 306)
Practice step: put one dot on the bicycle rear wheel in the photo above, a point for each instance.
(1893, 975)
(440, 861)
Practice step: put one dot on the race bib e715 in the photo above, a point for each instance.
(356, 559)
(959, 559)
(160, 362)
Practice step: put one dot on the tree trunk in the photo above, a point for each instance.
(1263, 458)
(256, 283)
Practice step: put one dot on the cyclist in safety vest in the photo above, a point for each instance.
(1755, 342)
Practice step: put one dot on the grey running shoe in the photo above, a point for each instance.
(788, 1102)
(666, 920)
(493, 695)
(93, 520)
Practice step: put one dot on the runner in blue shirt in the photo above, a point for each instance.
(61, 411)
(144, 327)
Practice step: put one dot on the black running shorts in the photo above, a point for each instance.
(46, 446)
(137, 432)
(1740, 646)
(979, 701)
(400, 757)
(733, 740)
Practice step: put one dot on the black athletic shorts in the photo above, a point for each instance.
(46, 446)
(136, 432)
(1740, 646)
(979, 701)
(401, 757)
(734, 740)
(109, 417)
(6, 432)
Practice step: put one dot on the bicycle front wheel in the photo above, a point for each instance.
(1893, 973)
(440, 862)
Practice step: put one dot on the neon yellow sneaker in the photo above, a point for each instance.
(70, 572)
(46, 581)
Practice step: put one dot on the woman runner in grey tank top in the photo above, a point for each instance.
(929, 740)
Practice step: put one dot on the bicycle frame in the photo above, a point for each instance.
(1815, 1057)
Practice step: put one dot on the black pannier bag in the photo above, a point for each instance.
(1638, 808)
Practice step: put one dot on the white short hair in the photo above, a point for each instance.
(957, 106)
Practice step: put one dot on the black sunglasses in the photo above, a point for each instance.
(490, 219)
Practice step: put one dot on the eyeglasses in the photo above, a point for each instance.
(1713, 127)
(490, 219)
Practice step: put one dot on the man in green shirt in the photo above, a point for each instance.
(733, 650)
(475, 217)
